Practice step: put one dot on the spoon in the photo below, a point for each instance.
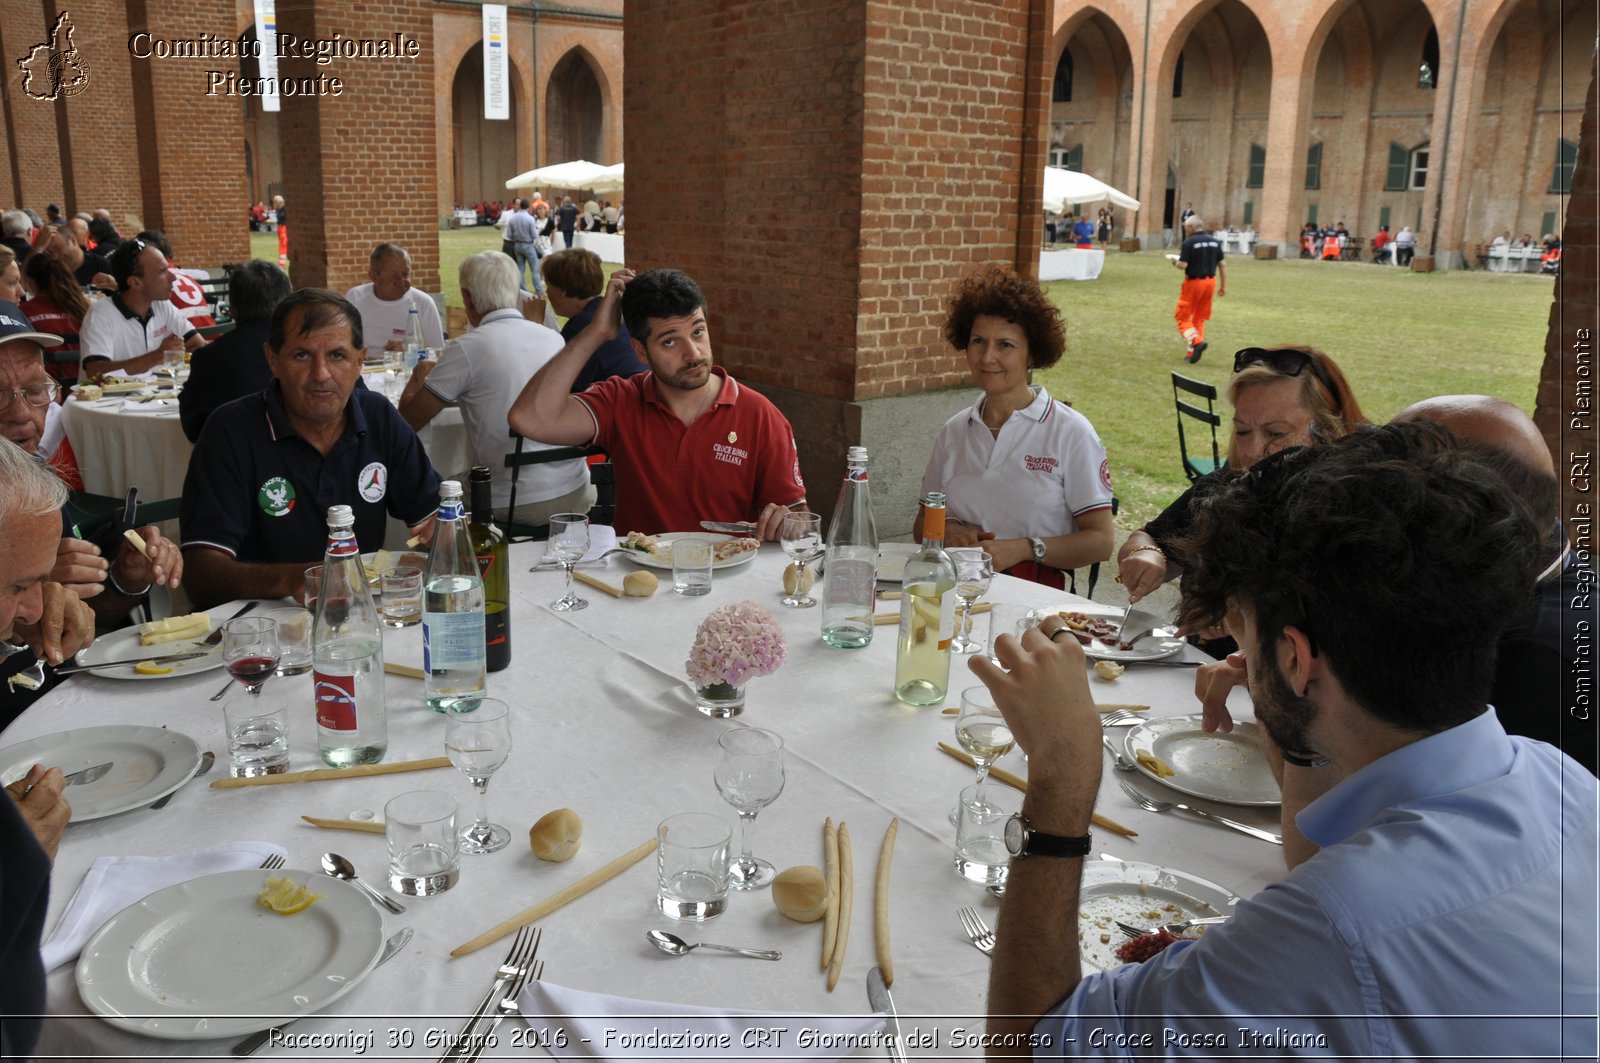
(673, 945)
(339, 867)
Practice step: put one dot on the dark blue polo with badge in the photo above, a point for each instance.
(258, 491)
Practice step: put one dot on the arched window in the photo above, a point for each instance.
(1061, 90)
(1314, 165)
(1428, 72)
(1177, 78)
(1257, 173)
(1566, 161)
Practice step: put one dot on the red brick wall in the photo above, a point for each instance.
(361, 167)
(100, 138)
(30, 124)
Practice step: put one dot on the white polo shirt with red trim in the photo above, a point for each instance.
(1046, 468)
(111, 330)
(736, 457)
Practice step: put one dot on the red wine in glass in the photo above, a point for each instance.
(252, 671)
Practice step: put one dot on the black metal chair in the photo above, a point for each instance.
(1094, 569)
(600, 474)
(1195, 467)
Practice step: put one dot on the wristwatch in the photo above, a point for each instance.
(1038, 548)
(1023, 840)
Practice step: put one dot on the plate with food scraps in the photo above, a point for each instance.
(1143, 895)
(655, 551)
(892, 558)
(146, 763)
(127, 644)
(1095, 627)
(1220, 766)
(202, 959)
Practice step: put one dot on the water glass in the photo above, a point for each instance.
(691, 565)
(294, 639)
(172, 358)
(313, 587)
(1004, 619)
(981, 853)
(424, 846)
(402, 596)
(258, 735)
(692, 866)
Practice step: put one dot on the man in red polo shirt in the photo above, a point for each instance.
(688, 441)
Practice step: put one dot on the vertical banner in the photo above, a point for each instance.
(267, 36)
(496, 101)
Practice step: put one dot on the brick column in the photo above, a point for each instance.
(1287, 123)
(99, 145)
(826, 235)
(361, 167)
(32, 167)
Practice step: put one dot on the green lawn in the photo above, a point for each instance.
(1399, 336)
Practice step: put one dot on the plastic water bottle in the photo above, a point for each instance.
(453, 653)
(850, 587)
(347, 654)
(413, 342)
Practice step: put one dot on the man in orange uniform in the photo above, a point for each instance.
(1203, 275)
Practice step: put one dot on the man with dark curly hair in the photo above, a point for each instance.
(1440, 900)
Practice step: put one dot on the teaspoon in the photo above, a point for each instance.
(673, 945)
(339, 867)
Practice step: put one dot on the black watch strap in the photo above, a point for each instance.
(1057, 845)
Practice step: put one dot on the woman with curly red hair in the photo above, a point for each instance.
(1025, 475)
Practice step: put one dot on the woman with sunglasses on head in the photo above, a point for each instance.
(1282, 397)
(1025, 474)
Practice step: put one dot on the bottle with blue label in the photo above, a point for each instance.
(413, 342)
(347, 654)
(454, 658)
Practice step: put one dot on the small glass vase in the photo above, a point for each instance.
(720, 700)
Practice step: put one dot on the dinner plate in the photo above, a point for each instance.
(146, 763)
(892, 558)
(123, 645)
(1227, 767)
(667, 538)
(1162, 642)
(1141, 894)
(202, 960)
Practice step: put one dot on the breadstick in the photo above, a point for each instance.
(598, 584)
(880, 905)
(406, 670)
(571, 893)
(138, 541)
(366, 826)
(319, 774)
(830, 919)
(847, 898)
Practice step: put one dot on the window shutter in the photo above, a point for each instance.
(1314, 166)
(1398, 174)
(1566, 162)
(1258, 167)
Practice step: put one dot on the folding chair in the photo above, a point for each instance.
(600, 474)
(1196, 467)
(1094, 569)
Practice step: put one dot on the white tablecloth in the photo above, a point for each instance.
(1235, 242)
(1515, 259)
(607, 245)
(1073, 264)
(605, 724)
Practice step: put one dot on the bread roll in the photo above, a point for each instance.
(801, 893)
(556, 836)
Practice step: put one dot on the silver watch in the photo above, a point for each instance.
(1038, 548)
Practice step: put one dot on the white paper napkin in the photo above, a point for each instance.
(602, 537)
(622, 1028)
(114, 882)
(150, 406)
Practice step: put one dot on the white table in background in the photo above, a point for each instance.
(608, 246)
(1071, 264)
(605, 724)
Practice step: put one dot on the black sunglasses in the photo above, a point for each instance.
(1287, 361)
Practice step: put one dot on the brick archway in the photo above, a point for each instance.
(481, 153)
(576, 102)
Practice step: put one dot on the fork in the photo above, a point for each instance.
(272, 863)
(518, 958)
(1111, 719)
(1172, 928)
(977, 930)
(508, 1006)
(1150, 804)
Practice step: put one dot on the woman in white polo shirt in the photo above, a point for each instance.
(1026, 475)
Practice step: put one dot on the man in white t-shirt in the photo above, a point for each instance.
(133, 329)
(385, 303)
(482, 371)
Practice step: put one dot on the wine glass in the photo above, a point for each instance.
(477, 739)
(250, 648)
(749, 777)
(801, 538)
(982, 732)
(569, 541)
(974, 572)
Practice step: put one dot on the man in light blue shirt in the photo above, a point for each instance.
(1441, 898)
(522, 232)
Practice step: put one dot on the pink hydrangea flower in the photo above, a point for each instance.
(736, 643)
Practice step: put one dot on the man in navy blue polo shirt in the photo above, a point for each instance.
(267, 467)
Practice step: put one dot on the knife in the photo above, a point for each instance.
(734, 527)
(878, 999)
(216, 636)
(83, 775)
(168, 659)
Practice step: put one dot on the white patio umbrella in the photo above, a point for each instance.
(578, 173)
(1063, 188)
(608, 181)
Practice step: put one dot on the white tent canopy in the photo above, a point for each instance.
(578, 173)
(608, 181)
(1063, 188)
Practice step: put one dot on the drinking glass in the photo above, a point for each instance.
(294, 639)
(424, 848)
(981, 853)
(982, 732)
(569, 541)
(692, 866)
(250, 648)
(477, 739)
(974, 572)
(801, 538)
(313, 588)
(258, 735)
(749, 777)
(402, 596)
(693, 558)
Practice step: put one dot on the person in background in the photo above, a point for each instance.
(1405, 246)
(58, 307)
(135, 328)
(566, 218)
(1083, 233)
(90, 269)
(1026, 475)
(17, 233)
(386, 300)
(1204, 275)
(235, 363)
(575, 278)
(1380, 245)
(103, 235)
(522, 233)
(12, 289)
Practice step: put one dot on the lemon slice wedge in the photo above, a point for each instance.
(286, 896)
(151, 668)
